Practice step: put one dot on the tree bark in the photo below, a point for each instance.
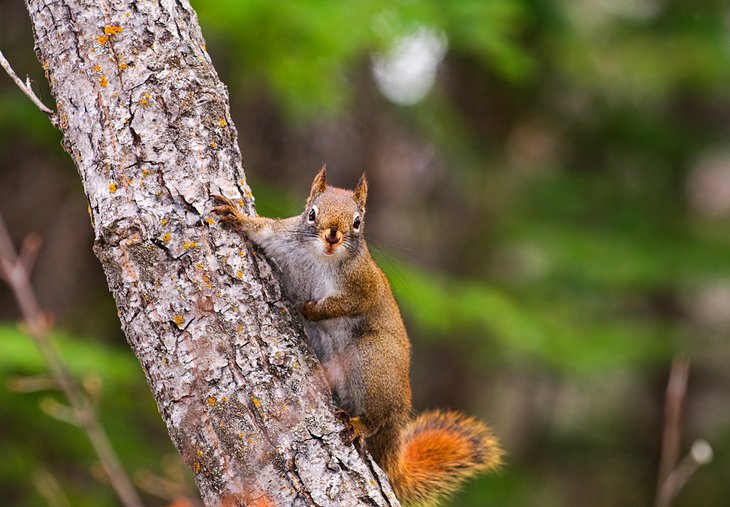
(146, 120)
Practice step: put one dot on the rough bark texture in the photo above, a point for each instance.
(146, 120)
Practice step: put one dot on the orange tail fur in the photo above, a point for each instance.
(439, 451)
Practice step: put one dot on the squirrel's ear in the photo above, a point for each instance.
(319, 184)
(361, 191)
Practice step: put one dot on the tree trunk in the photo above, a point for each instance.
(146, 120)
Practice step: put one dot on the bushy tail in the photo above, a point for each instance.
(439, 451)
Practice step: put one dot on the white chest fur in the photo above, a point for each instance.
(308, 276)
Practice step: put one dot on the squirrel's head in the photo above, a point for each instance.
(335, 217)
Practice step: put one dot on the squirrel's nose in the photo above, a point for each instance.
(331, 236)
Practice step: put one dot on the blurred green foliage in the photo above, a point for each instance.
(124, 406)
(557, 252)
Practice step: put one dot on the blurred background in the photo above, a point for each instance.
(549, 196)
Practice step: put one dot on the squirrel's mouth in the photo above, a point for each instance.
(331, 240)
(330, 249)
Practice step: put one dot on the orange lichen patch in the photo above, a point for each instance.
(45, 65)
(166, 237)
(178, 320)
(213, 144)
(239, 275)
(211, 401)
(164, 221)
(146, 173)
(199, 452)
(122, 66)
(112, 187)
(196, 467)
(255, 401)
(190, 244)
(224, 399)
(103, 81)
(222, 122)
(113, 29)
(144, 100)
(127, 14)
(97, 68)
(103, 39)
(209, 221)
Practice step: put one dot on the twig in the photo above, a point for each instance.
(164, 488)
(25, 88)
(13, 271)
(49, 488)
(673, 476)
(673, 402)
(700, 454)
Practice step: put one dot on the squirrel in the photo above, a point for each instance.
(353, 323)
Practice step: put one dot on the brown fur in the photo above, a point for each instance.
(355, 327)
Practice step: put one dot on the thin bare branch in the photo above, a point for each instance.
(671, 435)
(25, 88)
(700, 454)
(31, 383)
(81, 411)
(672, 476)
(164, 488)
(29, 251)
(49, 488)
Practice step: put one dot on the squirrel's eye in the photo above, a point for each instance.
(356, 223)
(312, 214)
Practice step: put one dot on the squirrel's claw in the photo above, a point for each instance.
(352, 434)
(227, 210)
(223, 200)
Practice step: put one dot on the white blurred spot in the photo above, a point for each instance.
(408, 71)
(701, 452)
(709, 305)
(708, 185)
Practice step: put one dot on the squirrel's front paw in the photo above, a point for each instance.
(309, 311)
(227, 210)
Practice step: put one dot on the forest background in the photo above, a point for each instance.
(550, 198)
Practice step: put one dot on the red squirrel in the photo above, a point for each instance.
(353, 323)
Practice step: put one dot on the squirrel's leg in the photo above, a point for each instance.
(331, 307)
(231, 214)
(382, 402)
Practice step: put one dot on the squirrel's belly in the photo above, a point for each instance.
(330, 337)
